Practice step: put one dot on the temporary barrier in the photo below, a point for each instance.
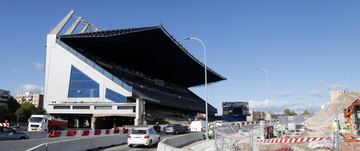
(79, 133)
(4, 124)
(293, 140)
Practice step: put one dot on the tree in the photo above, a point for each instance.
(306, 112)
(3, 111)
(26, 110)
(288, 112)
(8, 109)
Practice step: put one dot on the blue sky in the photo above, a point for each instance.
(306, 46)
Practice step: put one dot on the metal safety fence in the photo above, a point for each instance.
(236, 137)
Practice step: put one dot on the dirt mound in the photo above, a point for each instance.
(325, 118)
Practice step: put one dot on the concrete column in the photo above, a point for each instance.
(140, 107)
(93, 122)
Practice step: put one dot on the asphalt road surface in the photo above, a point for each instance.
(135, 148)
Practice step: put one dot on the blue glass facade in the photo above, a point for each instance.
(82, 86)
(114, 96)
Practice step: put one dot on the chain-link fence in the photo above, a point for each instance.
(234, 137)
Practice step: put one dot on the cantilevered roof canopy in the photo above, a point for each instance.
(149, 50)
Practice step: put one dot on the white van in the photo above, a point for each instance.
(198, 126)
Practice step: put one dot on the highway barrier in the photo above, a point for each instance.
(175, 143)
(36, 135)
(43, 137)
(80, 133)
(82, 144)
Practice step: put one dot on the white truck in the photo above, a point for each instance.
(46, 123)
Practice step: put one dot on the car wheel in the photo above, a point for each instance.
(130, 145)
(150, 144)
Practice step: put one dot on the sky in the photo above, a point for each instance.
(307, 47)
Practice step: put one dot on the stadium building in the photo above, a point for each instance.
(98, 78)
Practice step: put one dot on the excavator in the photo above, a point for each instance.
(353, 110)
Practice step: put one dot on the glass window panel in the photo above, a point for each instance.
(114, 96)
(61, 107)
(81, 107)
(82, 86)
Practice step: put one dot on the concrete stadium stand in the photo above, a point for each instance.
(82, 144)
(175, 143)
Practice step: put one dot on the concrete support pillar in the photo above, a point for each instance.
(140, 108)
(93, 119)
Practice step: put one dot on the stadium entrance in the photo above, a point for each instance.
(108, 122)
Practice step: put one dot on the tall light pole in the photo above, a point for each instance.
(206, 89)
(267, 85)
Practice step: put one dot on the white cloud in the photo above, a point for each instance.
(279, 106)
(32, 88)
(39, 66)
(16, 70)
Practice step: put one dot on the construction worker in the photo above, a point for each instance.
(283, 128)
(335, 126)
(279, 128)
(346, 128)
(211, 131)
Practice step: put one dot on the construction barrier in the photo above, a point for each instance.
(80, 133)
(4, 124)
(293, 140)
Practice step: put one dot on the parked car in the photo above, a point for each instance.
(10, 134)
(143, 136)
(198, 126)
(176, 129)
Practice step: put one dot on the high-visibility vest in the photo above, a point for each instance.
(335, 126)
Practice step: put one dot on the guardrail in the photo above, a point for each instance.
(175, 143)
(21, 145)
(82, 144)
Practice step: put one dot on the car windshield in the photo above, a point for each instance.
(36, 119)
(138, 132)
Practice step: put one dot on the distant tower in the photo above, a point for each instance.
(334, 94)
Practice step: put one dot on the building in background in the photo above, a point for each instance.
(33, 98)
(4, 95)
(235, 111)
(334, 94)
(256, 116)
(235, 108)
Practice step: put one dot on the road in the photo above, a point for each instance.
(125, 147)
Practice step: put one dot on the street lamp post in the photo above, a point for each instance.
(267, 86)
(206, 89)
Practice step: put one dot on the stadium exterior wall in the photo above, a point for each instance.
(59, 62)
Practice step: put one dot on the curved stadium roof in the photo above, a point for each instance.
(149, 50)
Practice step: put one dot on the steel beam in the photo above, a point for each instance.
(84, 28)
(62, 23)
(73, 26)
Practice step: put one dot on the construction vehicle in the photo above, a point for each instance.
(46, 123)
(352, 116)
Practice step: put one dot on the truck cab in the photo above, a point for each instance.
(38, 123)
